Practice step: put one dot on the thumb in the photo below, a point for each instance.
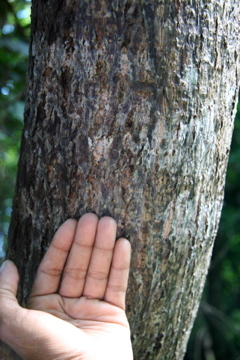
(9, 307)
(9, 279)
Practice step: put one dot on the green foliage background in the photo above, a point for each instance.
(14, 39)
(216, 333)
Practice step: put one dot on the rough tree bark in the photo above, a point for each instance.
(129, 112)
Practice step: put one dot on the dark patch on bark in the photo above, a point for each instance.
(113, 125)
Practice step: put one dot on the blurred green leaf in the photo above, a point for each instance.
(14, 38)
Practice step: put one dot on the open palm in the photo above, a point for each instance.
(76, 309)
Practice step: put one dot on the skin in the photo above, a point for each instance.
(76, 308)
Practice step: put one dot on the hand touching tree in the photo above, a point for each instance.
(76, 308)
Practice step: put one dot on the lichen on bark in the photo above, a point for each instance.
(129, 113)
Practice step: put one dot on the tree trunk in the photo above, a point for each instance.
(129, 113)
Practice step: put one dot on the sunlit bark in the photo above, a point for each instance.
(130, 108)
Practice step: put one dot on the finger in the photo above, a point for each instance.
(75, 271)
(118, 277)
(31, 334)
(50, 269)
(98, 271)
(9, 279)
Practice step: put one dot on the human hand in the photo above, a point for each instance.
(76, 308)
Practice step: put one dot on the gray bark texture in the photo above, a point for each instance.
(129, 113)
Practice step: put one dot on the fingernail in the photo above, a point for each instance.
(2, 267)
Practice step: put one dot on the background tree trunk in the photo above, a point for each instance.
(129, 113)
